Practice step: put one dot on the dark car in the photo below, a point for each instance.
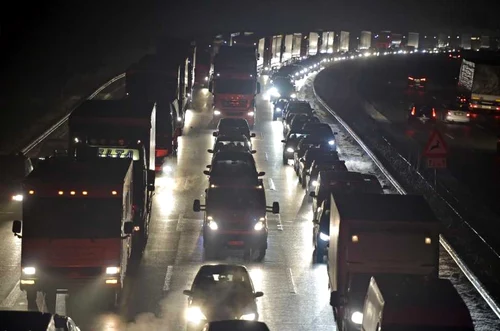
(221, 292)
(232, 143)
(290, 144)
(307, 143)
(422, 113)
(323, 164)
(296, 107)
(297, 122)
(318, 128)
(32, 320)
(232, 325)
(233, 127)
(282, 87)
(309, 157)
(229, 166)
(278, 108)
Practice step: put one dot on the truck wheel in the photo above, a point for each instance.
(50, 301)
(318, 255)
(275, 117)
(138, 245)
(285, 160)
(300, 177)
(304, 180)
(31, 296)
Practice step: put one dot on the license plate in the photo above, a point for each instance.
(459, 113)
(236, 243)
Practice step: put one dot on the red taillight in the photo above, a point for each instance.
(458, 56)
(423, 79)
(498, 108)
(450, 55)
(413, 111)
(410, 78)
(433, 112)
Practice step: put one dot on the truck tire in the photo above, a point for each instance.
(31, 296)
(262, 254)
(285, 160)
(318, 255)
(304, 180)
(50, 301)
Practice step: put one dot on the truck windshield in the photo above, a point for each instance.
(59, 217)
(238, 198)
(235, 86)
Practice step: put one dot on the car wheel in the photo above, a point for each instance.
(300, 177)
(275, 117)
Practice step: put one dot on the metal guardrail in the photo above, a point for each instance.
(444, 243)
(63, 120)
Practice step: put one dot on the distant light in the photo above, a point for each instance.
(114, 192)
(60, 192)
(72, 192)
(85, 192)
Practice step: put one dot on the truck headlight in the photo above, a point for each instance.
(17, 197)
(260, 224)
(195, 315)
(112, 270)
(290, 150)
(212, 224)
(357, 317)
(293, 95)
(179, 119)
(216, 112)
(324, 236)
(278, 110)
(248, 317)
(314, 183)
(331, 142)
(251, 113)
(29, 270)
(206, 79)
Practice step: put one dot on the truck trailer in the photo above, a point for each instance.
(479, 82)
(76, 229)
(375, 235)
(120, 129)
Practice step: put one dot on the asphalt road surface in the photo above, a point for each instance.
(295, 290)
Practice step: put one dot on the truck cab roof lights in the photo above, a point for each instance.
(72, 192)
(60, 192)
(355, 239)
(31, 192)
(428, 240)
(114, 192)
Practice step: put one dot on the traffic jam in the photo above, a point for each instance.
(382, 250)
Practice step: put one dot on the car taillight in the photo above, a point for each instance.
(413, 111)
(433, 112)
(423, 79)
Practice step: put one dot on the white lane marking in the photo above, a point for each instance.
(168, 278)
(272, 187)
(449, 136)
(292, 281)
(266, 156)
(61, 303)
(179, 222)
(12, 297)
(280, 224)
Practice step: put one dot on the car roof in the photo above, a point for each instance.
(228, 120)
(24, 320)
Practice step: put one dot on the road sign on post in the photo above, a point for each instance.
(436, 151)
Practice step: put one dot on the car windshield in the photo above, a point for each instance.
(236, 279)
(299, 108)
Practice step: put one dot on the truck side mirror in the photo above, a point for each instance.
(196, 206)
(210, 151)
(283, 141)
(209, 166)
(258, 294)
(260, 174)
(253, 151)
(252, 135)
(188, 293)
(206, 172)
(315, 221)
(276, 208)
(128, 227)
(150, 176)
(17, 226)
(258, 88)
(215, 134)
(312, 194)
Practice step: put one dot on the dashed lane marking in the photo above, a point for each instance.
(272, 187)
(280, 224)
(449, 136)
(179, 222)
(168, 278)
(266, 156)
(292, 281)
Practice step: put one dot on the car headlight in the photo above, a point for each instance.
(314, 183)
(195, 315)
(29, 270)
(293, 95)
(277, 110)
(331, 142)
(357, 317)
(324, 236)
(206, 79)
(260, 224)
(17, 197)
(216, 112)
(290, 150)
(248, 317)
(179, 119)
(251, 113)
(166, 168)
(212, 224)
(112, 270)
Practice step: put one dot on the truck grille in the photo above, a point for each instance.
(87, 272)
(234, 103)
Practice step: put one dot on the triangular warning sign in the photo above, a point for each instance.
(436, 146)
